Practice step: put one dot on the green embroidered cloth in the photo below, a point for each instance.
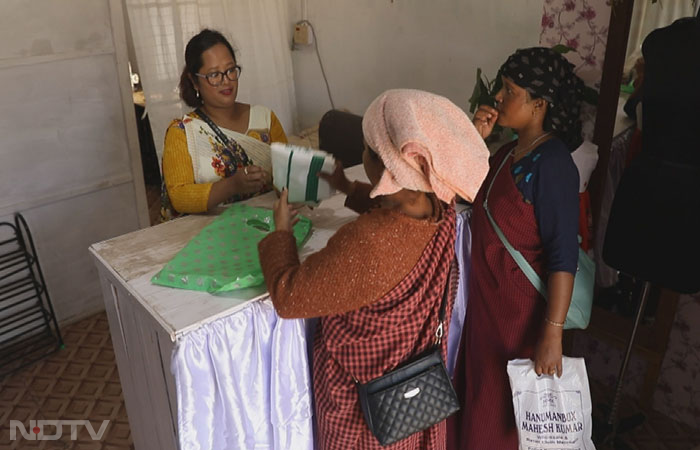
(296, 168)
(224, 255)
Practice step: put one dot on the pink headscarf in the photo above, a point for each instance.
(426, 143)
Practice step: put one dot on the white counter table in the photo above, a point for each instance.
(148, 322)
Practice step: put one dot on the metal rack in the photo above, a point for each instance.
(28, 327)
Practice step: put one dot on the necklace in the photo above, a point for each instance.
(521, 151)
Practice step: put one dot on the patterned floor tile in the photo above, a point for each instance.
(52, 408)
(53, 366)
(11, 395)
(96, 341)
(42, 387)
(102, 372)
(111, 391)
(90, 389)
(106, 355)
(78, 382)
(72, 337)
(75, 370)
(105, 410)
(65, 388)
(25, 408)
(79, 409)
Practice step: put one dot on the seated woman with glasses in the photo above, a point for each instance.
(215, 154)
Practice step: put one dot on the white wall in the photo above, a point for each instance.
(368, 46)
(69, 158)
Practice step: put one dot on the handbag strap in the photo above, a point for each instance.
(517, 256)
(228, 142)
(443, 309)
(439, 331)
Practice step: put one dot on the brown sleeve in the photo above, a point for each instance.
(358, 200)
(356, 268)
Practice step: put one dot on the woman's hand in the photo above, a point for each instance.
(246, 180)
(548, 351)
(485, 119)
(337, 179)
(249, 180)
(285, 215)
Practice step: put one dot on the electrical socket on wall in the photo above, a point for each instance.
(303, 34)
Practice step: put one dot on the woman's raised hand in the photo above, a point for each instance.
(484, 120)
(249, 179)
(285, 215)
(337, 179)
(246, 180)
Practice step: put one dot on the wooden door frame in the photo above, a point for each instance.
(121, 54)
(608, 97)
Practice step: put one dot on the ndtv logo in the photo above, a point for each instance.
(36, 429)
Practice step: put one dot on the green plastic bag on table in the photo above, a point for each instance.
(224, 255)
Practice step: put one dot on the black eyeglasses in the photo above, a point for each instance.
(216, 78)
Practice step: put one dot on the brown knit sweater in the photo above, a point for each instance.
(364, 260)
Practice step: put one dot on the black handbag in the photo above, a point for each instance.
(413, 397)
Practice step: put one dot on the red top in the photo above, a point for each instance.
(504, 315)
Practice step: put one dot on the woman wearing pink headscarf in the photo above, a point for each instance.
(378, 284)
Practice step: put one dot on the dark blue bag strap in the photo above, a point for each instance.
(227, 142)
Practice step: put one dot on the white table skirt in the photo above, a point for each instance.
(243, 382)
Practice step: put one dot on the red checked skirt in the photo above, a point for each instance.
(375, 339)
(504, 316)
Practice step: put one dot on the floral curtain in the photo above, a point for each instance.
(581, 25)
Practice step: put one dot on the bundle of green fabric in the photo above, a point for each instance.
(296, 169)
(224, 255)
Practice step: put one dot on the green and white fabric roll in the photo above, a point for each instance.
(296, 169)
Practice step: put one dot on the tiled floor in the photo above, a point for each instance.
(76, 383)
(81, 382)
(656, 432)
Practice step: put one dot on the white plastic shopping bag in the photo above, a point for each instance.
(552, 412)
(296, 169)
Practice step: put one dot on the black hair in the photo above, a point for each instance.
(373, 154)
(200, 43)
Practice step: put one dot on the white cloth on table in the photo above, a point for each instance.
(243, 382)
